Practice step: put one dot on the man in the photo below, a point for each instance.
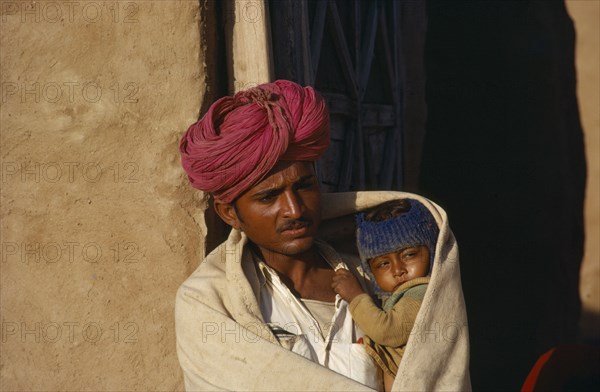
(259, 313)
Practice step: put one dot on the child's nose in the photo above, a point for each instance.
(399, 269)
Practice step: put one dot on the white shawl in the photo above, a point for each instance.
(223, 344)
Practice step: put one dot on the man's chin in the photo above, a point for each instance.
(298, 246)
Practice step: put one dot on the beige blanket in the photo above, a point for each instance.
(223, 344)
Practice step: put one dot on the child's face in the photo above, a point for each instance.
(393, 269)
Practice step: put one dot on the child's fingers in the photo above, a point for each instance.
(337, 279)
(336, 285)
(341, 276)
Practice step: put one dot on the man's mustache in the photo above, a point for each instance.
(294, 224)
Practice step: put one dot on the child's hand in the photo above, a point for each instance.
(346, 285)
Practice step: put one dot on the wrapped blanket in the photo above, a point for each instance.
(223, 343)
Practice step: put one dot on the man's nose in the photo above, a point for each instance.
(292, 208)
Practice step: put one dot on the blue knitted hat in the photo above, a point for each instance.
(412, 228)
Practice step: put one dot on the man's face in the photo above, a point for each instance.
(391, 270)
(280, 214)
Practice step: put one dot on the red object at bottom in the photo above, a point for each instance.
(565, 368)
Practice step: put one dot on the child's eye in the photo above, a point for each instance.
(410, 253)
(383, 264)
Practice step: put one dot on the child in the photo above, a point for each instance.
(396, 243)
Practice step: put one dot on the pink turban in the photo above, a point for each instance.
(241, 138)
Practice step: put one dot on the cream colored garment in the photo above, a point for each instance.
(337, 349)
(223, 343)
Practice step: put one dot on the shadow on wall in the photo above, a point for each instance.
(504, 155)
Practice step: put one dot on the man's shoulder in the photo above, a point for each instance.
(208, 280)
(222, 276)
(212, 265)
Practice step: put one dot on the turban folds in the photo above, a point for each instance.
(241, 138)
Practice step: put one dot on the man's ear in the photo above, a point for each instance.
(227, 212)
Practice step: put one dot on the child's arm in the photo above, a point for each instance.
(390, 328)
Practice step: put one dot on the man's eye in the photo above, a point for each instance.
(266, 198)
(383, 264)
(305, 185)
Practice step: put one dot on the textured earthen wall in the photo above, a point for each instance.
(99, 226)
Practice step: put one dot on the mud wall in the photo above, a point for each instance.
(99, 227)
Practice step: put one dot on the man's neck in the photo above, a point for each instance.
(307, 275)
